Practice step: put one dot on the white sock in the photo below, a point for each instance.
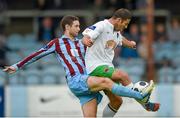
(109, 111)
(130, 85)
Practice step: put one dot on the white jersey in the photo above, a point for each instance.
(105, 41)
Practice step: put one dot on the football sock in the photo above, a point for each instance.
(109, 111)
(125, 92)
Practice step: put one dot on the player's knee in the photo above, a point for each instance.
(122, 75)
(106, 82)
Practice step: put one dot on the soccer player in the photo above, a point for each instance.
(102, 38)
(70, 53)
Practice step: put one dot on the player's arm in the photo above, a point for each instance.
(48, 49)
(129, 44)
(91, 33)
(87, 41)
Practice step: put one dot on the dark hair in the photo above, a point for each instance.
(67, 20)
(122, 13)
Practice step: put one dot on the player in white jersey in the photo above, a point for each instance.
(103, 37)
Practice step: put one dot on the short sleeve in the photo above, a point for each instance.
(94, 30)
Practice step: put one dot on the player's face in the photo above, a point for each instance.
(121, 24)
(74, 28)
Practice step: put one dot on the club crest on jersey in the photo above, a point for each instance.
(92, 27)
(110, 44)
(106, 70)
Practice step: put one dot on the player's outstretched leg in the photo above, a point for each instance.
(123, 77)
(146, 104)
(100, 83)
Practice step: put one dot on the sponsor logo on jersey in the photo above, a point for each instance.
(92, 27)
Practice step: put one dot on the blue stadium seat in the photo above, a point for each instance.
(31, 37)
(123, 67)
(177, 46)
(15, 37)
(136, 70)
(176, 61)
(2, 78)
(35, 65)
(2, 74)
(13, 57)
(135, 78)
(16, 78)
(52, 74)
(49, 60)
(32, 76)
(49, 78)
(161, 54)
(166, 75)
(163, 50)
(135, 66)
(177, 75)
(33, 46)
(131, 61)
(15, 41)
(161, 46)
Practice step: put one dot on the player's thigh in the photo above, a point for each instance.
(90, 108)
(99, 83)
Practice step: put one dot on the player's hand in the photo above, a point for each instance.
(87, 41)
(9, 69)
(132, 44)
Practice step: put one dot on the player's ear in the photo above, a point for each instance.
(67, 27)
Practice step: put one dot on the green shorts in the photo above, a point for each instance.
(103, 71)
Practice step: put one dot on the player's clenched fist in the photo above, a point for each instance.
(9, 69)
(133, 44)
(87, 41)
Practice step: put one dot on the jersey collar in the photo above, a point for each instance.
(64, 36)
(109, 24)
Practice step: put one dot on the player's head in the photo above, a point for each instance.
(70, 24)
(121, 19)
